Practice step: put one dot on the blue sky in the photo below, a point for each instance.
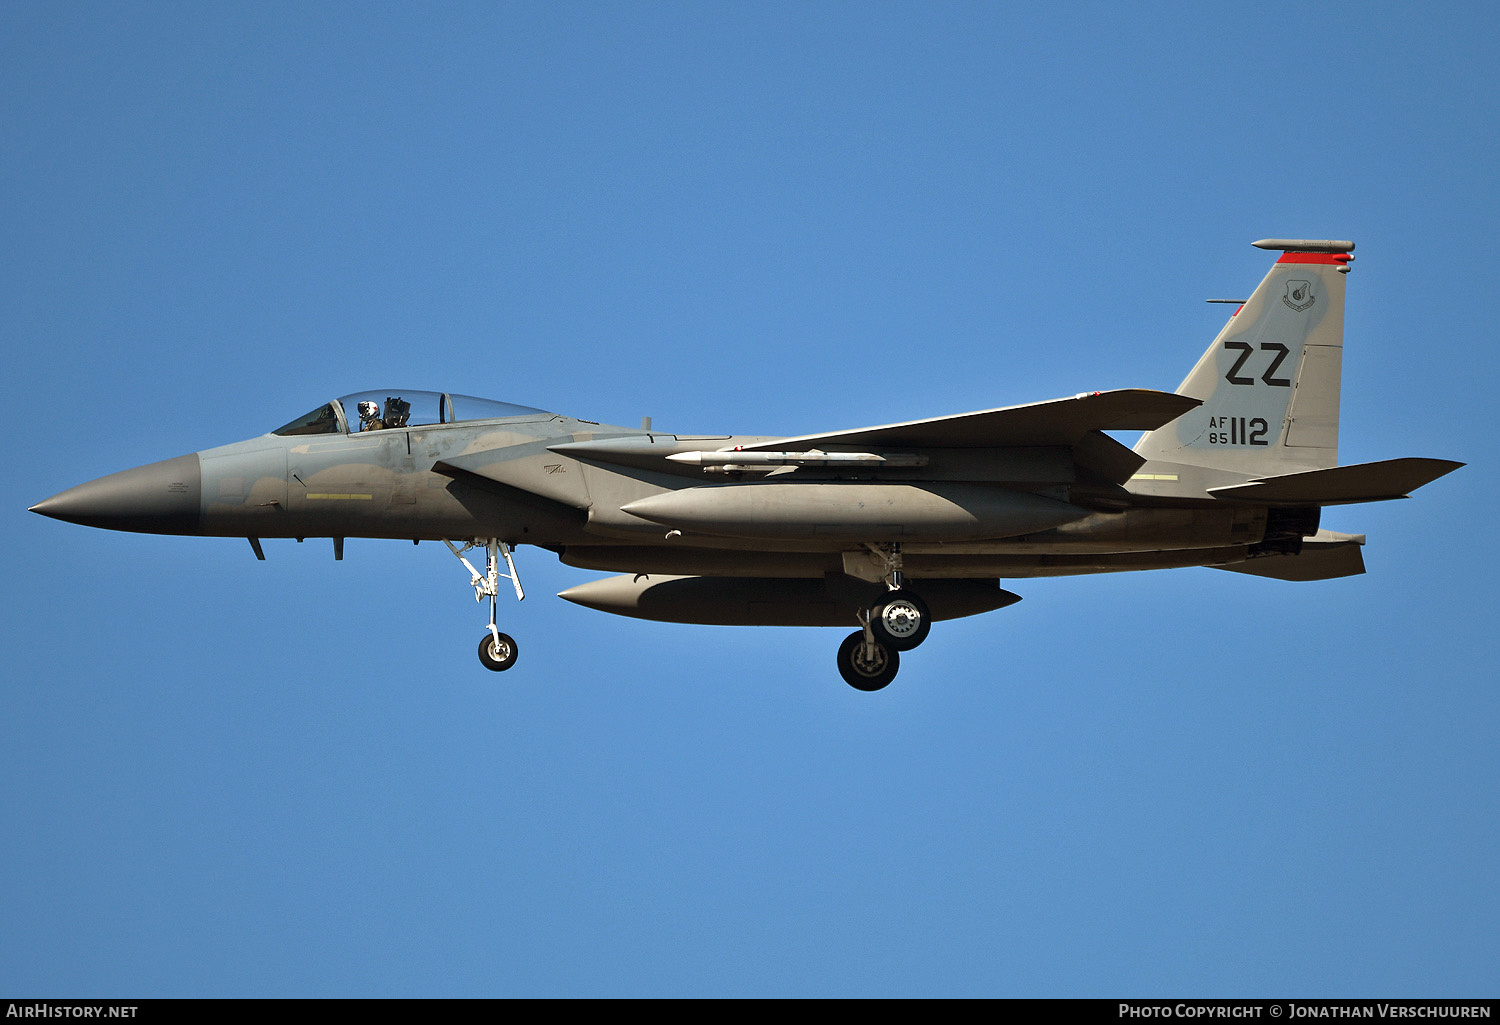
(225, 777)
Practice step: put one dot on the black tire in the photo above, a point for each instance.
(498, 660)
(862, 675)
(900, 620)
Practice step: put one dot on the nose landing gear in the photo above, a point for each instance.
(497, 651)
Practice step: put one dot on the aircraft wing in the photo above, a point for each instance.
(1058, 422)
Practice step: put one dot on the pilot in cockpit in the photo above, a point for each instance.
(369, 416)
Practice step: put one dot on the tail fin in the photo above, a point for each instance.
(1270, 380)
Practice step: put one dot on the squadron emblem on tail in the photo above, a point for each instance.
(1299, 295)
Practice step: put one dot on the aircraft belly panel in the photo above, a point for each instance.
(1059, 564)
(921, 563)
(1151, 529)
(1159, 535)
(695, 561)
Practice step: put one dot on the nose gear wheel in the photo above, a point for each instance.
(497, 653)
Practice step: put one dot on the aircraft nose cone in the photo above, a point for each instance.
(160, 498)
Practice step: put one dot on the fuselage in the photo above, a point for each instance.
(610, 498)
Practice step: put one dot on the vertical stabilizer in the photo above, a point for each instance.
(1270, 380)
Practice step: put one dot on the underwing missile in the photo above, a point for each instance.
(811, 458)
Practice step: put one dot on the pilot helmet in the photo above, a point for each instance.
(368, 410)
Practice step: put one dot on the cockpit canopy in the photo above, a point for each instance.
(391, 408)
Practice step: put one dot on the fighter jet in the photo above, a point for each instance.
(885, 529)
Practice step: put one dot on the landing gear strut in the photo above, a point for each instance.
(865, 663)
(497, 651)
(898, 621)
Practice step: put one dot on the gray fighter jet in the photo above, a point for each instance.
(887, 529)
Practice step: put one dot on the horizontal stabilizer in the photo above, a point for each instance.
(1340, 485)
(1316, 562)
(1058, 422)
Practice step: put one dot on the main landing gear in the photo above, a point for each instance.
(897, 622)
(497, 651)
